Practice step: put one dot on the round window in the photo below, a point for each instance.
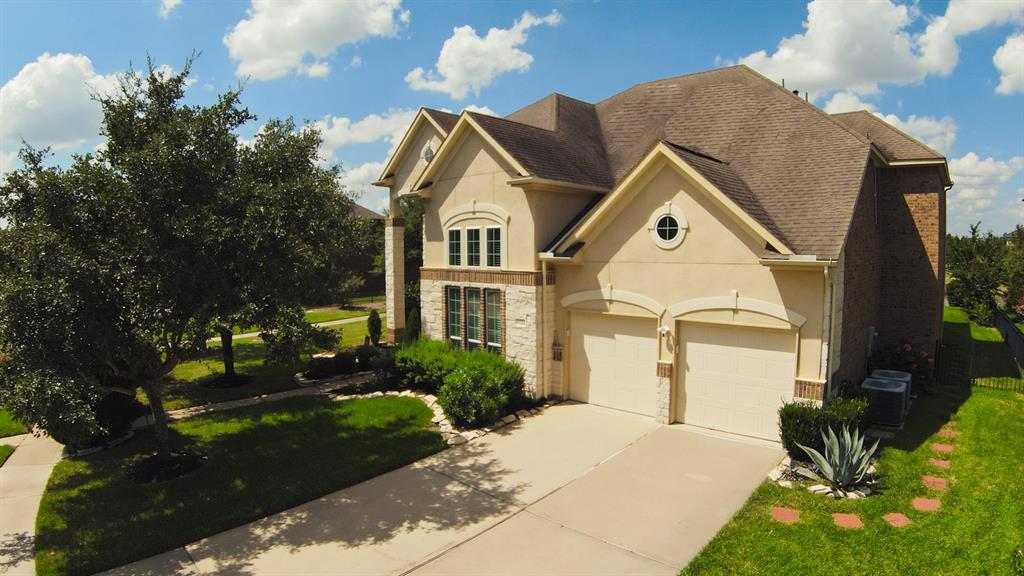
(667, 228)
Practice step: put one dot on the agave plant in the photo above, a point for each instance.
(845, 462)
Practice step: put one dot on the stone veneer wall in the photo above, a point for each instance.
(522, 332)
(394, 278)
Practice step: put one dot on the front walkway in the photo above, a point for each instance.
(22, 482)
(578, 489)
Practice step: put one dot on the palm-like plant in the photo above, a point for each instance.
(845, 462)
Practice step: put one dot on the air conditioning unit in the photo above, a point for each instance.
(898, 376)
(888, 405)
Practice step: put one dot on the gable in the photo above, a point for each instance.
(407, 162)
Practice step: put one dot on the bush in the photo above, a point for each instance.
(383, 366)
(412, 325)
(345, 362)
(321, 367)
(373, 326)
(804, 422)
(116, 412)
(365, 355)
(981, 312)
(481, 389)
(423, 364)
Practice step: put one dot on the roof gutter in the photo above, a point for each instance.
(544, 183)
(806, 261)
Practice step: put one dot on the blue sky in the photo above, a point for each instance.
(951, 73)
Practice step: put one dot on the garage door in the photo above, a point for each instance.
(735, 378)
(613, 361)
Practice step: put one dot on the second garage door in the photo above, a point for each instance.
(613, 361)
(735, 378)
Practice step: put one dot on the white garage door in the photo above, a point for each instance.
(735, 378)
(613, 362)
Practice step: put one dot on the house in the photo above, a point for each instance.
(697, 249)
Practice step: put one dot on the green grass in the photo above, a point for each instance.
(975, 532)
(992, 359)
(5, 453)
(182, 388)
(364, 300)
(9, 426)
(261, 460)
(314, 316)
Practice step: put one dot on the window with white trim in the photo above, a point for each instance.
(668, 226)
(472, 246)
(472, 318)
(454, 315)
(494, 246)
(455, 247)
(492, 320)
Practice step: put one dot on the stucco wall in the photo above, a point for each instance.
(717, 256)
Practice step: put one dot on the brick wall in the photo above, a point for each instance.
(893, 264)
(911, 208)
(861, 269)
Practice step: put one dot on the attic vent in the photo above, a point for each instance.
(428, 154)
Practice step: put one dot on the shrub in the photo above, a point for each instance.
(481, 389)
(345, 362)
(116, 412)
(981, 312)
(373, 326)
(804, 422)
(365, 355)
(412, 325)
(422, 364)
(383, 366)
(321, 367)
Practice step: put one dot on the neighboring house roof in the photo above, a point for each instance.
(361, 211)
(896, 145)
(794, 169)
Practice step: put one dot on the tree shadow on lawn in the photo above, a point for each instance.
(100, 519)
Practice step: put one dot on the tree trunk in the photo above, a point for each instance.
(154, 393)
(229, 353)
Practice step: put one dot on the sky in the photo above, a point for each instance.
(950, 74)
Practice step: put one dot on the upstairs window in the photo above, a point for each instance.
(473, 246)
(455, 247)
(494, 247)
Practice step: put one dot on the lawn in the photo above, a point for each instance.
(261, 460)
(992, 360)
(9, 426)
(314, 316)
(182, 389)
(975, 532)
(5, 453)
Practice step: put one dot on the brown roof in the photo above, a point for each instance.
(893, 143)
(446, 120)
(360, 211)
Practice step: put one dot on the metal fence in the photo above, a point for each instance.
(1011, 334)
(964, 364)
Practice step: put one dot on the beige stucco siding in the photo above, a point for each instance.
(412, 163)
(717, 256)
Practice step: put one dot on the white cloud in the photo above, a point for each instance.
(1009, 60)
(340, 131)
(8, 161)
(168, 6)
(277, 38)
(467, 63)
(356, 61)
(847, 102)
(49, 102)
(981, 193)
(855, 46)
(939, 133)
(480, 109)
(360, 180)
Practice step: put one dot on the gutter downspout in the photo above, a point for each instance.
(828, 330)
(543, 329)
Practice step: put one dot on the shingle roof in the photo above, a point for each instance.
(573, 153)
(891, 141)
(729, 182)
(446, 120)
(794, 168)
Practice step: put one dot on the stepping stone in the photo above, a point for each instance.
(926, 504)
(944, 448)
(948, 433)
(951, 423)
(847, 520)
(939, 463)
(785, 515)
(896, 520)
(934, 483)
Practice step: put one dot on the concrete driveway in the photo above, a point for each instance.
(578, 490)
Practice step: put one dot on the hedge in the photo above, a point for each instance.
(803, 422)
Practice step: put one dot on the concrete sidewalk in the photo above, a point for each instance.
(317, 324)
(22, 482)
(577, 490)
